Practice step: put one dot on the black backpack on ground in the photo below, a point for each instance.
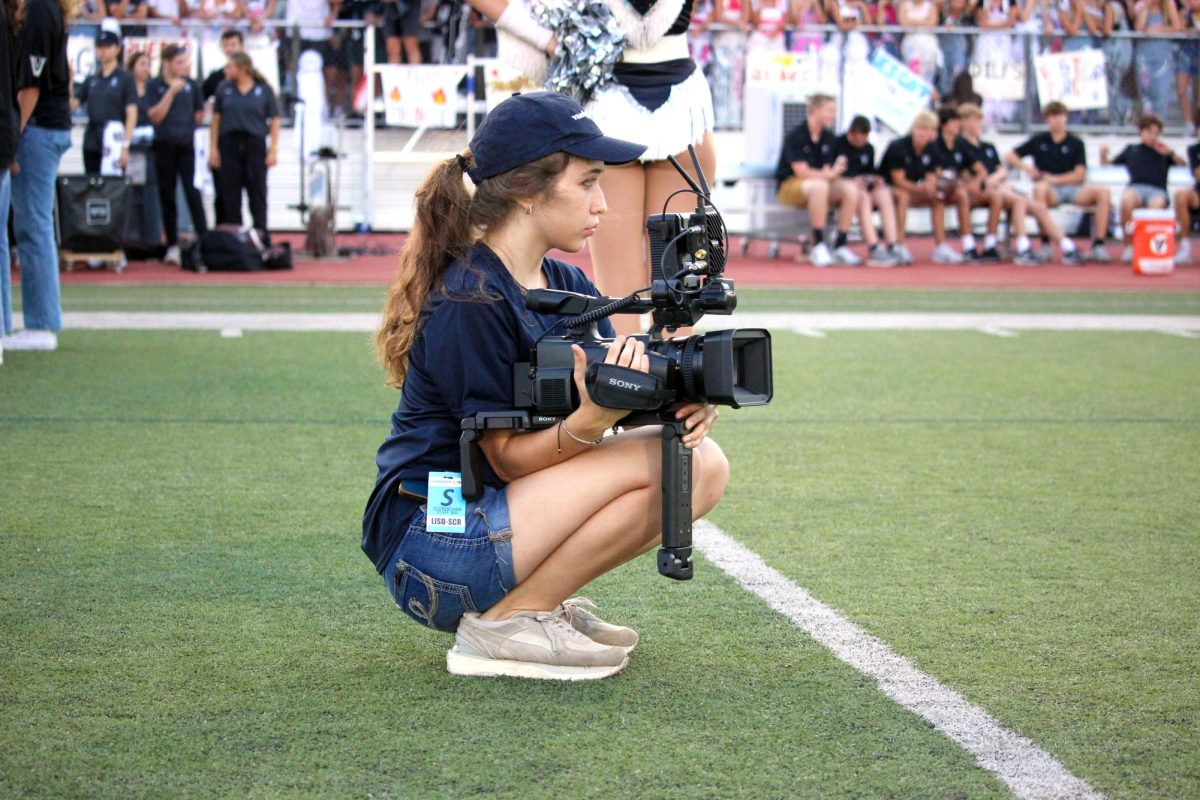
(226, 250)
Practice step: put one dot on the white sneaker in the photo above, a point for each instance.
(945, 253)
(1183, 254)
(173, 256)
(844, 255)
(820, 255)
(881, 258)
(902, 254)
(531, 644)
(576, 611)
(1127, 255)
(30, 340)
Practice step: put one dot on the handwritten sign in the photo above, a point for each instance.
(791, 73)
(999, 79)
(425, 96)
(1075, 79)
(899, 93)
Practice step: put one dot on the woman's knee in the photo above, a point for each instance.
(711, 470)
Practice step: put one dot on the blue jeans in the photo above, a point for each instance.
(435, 578)
(6, 324)
(38, 153)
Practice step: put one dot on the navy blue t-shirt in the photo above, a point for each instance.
(1193, 159)
(460, 364)
(179, 124)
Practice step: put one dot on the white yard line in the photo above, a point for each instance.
(804, 324)
(1030, 772)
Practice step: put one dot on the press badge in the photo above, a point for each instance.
(445, 509)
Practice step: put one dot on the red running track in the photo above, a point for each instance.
(756, 268)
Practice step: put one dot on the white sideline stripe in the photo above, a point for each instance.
(804, 324)
(1030, 772)
(1003, 333)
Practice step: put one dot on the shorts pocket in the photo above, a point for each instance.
(433, 603)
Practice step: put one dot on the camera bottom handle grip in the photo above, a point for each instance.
(675, 556)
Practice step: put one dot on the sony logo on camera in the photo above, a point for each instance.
(624, 384)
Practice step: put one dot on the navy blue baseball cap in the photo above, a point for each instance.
(526, 127)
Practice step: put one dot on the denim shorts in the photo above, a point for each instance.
(1146, 193)
(1187, 58)
(435, 578)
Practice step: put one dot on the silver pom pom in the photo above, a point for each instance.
(590, 42)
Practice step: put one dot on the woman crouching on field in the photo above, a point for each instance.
(562, 505)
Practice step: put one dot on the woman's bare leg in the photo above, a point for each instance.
(618, 249)
(887, 211)
(563, 539)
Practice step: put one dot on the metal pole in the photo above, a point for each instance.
(368, 211)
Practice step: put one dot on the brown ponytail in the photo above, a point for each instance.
(245, 63)
(448, 221)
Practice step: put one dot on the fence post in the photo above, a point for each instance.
(368, 211)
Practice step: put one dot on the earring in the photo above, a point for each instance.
(528, 210)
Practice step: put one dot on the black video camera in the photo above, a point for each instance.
(728, 367)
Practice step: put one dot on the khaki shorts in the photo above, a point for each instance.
(794, 191)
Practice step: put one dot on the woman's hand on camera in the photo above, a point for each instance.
(698, 419)
(625, 351)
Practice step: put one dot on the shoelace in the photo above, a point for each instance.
(577, 607)
(553, 623)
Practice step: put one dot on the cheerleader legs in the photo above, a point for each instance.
(619, 250)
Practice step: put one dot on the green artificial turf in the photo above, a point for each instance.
(185, 611)
(238, 297)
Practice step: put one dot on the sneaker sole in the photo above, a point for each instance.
(461, 664)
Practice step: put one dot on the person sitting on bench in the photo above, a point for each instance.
(810, 176)
(1148, 165)
(1059, 172)
(1188, 200)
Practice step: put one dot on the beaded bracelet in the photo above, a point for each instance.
(562, 426)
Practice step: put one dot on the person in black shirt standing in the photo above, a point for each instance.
(1147, 164)
(873, 192)
(992, 191)
(177, 107)
(43, 84)
(810, 176)
(244, 113)
(1188, 200)
(9, 121)
(231, 42)
(1059, 172)
(109, 96)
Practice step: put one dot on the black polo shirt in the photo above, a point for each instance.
(248, 113)
(179, 124)
(901, 154)
(799, 146)
(213, 82)
(105, 98)
(1145, 165)
(1193, 155)
(42, 64)
(1054, 158)
(9, 116)
(984, 153)
(859, 160)
(957, 155)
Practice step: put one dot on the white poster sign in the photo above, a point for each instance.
(899, 93)
(425, 96)
(998, 79)
(1075, 79)
(796, 74)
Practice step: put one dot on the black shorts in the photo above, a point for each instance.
(402, 18)
(333, 56)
